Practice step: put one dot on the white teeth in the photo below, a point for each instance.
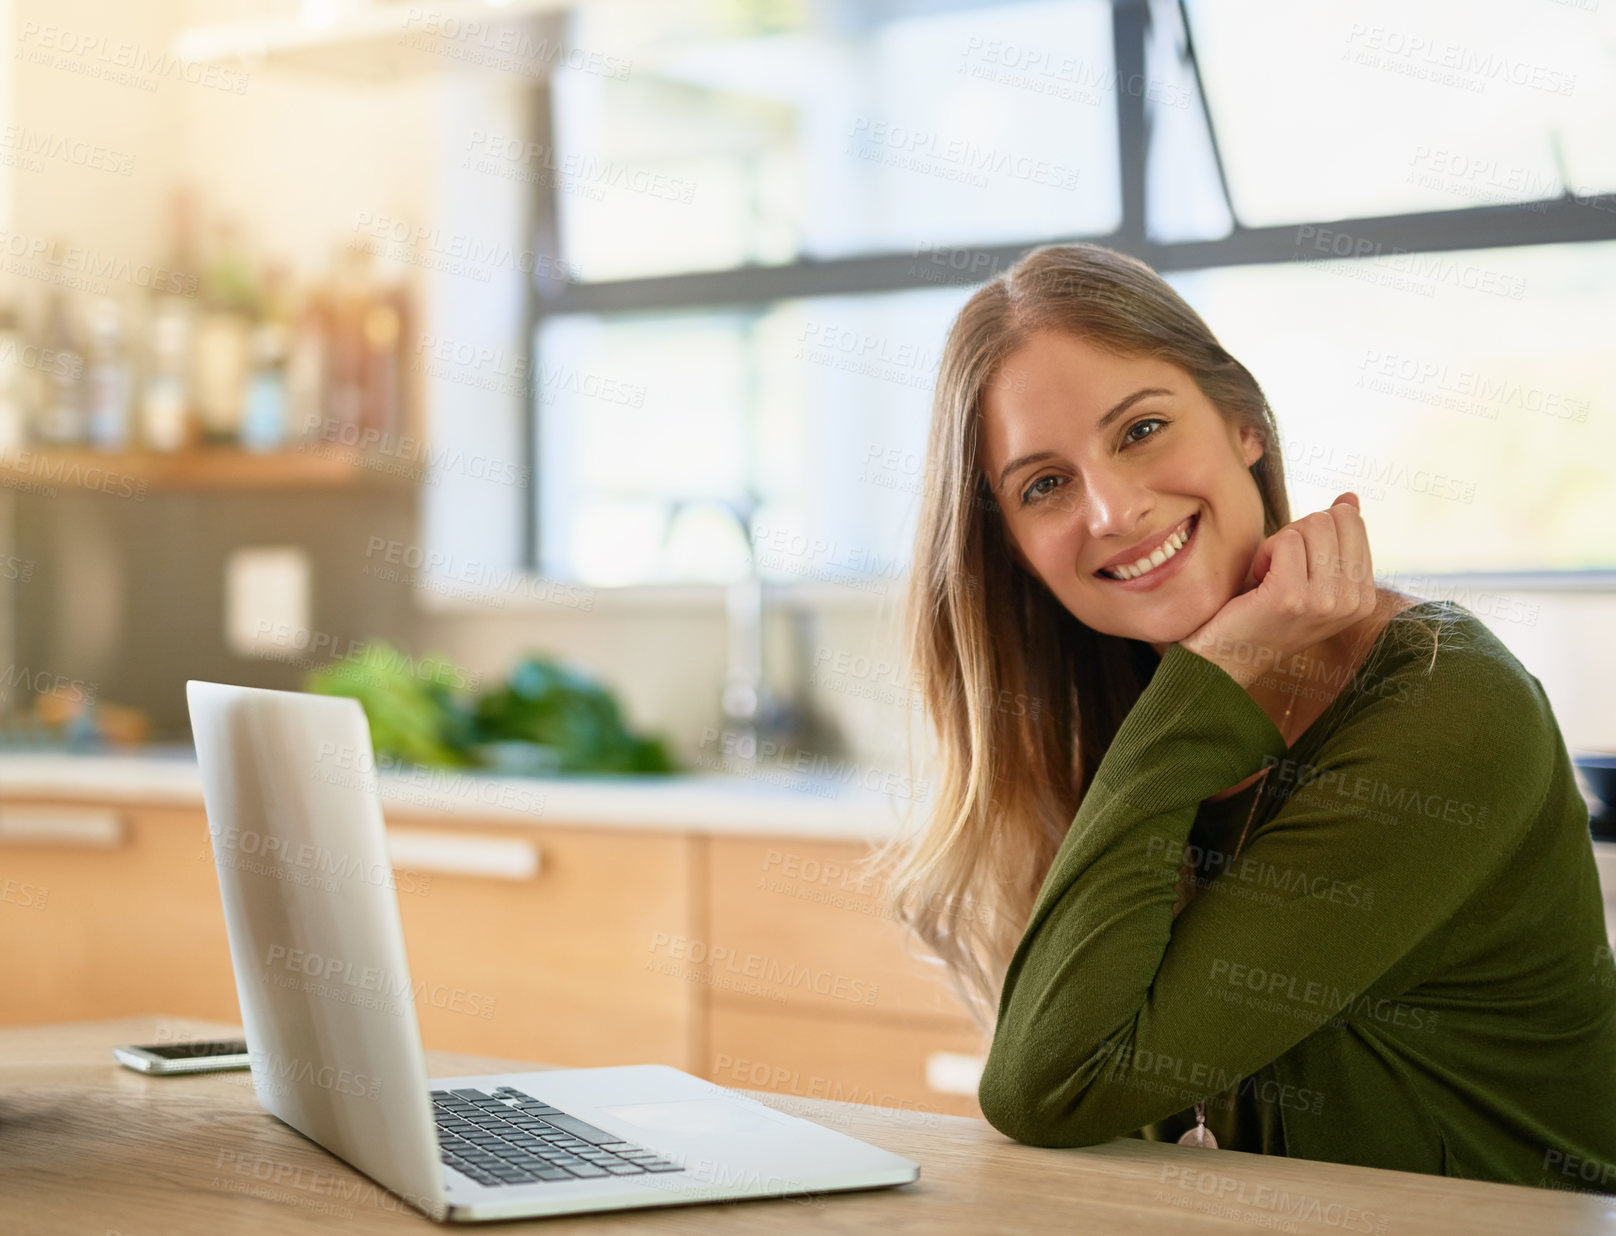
(1161, 554)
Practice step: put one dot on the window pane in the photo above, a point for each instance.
(1464, 396)
(1344, 108)
(735, 141)
(1184, 200)
(811, 415)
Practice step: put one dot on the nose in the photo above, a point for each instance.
(1113, 503)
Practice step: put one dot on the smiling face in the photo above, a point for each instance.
(1103, 465)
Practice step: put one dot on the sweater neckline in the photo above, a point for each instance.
(1344, 699)
(1353, 690)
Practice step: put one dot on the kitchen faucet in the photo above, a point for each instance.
(753, 716)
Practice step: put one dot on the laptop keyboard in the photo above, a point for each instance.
(508, 1138)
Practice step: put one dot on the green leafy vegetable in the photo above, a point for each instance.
(413, 716)
(569, 712)
(567, 720)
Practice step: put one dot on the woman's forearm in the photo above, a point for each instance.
(1083, 972)
(1106, 985)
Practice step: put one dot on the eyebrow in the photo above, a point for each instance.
(1039, 456)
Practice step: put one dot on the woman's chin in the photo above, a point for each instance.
(1173, 623)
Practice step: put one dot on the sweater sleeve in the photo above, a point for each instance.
(1416, 803)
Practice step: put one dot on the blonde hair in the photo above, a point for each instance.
(1025, 699)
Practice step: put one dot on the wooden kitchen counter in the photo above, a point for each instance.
(88, 1146)
(771, 799)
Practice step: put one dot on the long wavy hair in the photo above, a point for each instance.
(1023, 698)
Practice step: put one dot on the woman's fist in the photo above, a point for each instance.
(1312, 579)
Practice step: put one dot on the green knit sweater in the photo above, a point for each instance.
(1406, 967)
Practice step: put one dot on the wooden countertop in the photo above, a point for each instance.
(88, 1146)
(768, 801)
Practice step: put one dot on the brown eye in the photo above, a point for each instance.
(1149, 420)
(1034, 494)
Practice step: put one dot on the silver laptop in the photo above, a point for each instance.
(329, 1013)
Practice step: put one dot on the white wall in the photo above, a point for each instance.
(295, 158)
(668, 660)
(1569, 644)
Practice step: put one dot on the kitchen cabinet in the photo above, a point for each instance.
(811, 926)
(552, 967)
(108, 910)
(814, 988)
(768, 963)
(920, 1068)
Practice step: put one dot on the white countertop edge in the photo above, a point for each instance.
(708, 803)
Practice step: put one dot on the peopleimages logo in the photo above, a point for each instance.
(277, 1074)
(497, 45)
(94, 265)
(118, 60)
(279, 641)
(36, 144)
(43, 682)
(953, 158)
(405, 452)
(770, 972)
(45, 360)
(367, 986)
(266, 854)
(1406, 801)
(478, 251)
(1326, 999)
(1201, 1078)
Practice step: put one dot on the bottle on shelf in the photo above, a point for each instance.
(60, 409)
(222, 355)
(166, 414)
(13, 391)
(383, 333)
(347, 301)
(165, 408)
(107, 381)
(218, 352)
(306, 368)
(263, 423)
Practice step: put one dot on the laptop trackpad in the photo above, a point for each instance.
(700, 1116)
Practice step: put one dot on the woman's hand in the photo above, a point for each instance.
(1309, 581)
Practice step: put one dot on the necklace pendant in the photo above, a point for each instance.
(1200, 1135)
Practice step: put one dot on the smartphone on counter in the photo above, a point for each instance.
(207, 1056)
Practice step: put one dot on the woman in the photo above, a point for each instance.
(1247, 849)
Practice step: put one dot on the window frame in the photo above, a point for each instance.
(1562, 220)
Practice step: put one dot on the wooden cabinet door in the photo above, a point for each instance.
(553, 968)
(909, 1071)
(108, 911)
(800, 926)
(816, 989)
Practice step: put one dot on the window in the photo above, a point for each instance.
(1457, 393)
(1385, 107)
(1399, 216)
(834, 133)
(804, 422)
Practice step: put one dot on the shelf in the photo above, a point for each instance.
(387, 42)
(47, 470)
